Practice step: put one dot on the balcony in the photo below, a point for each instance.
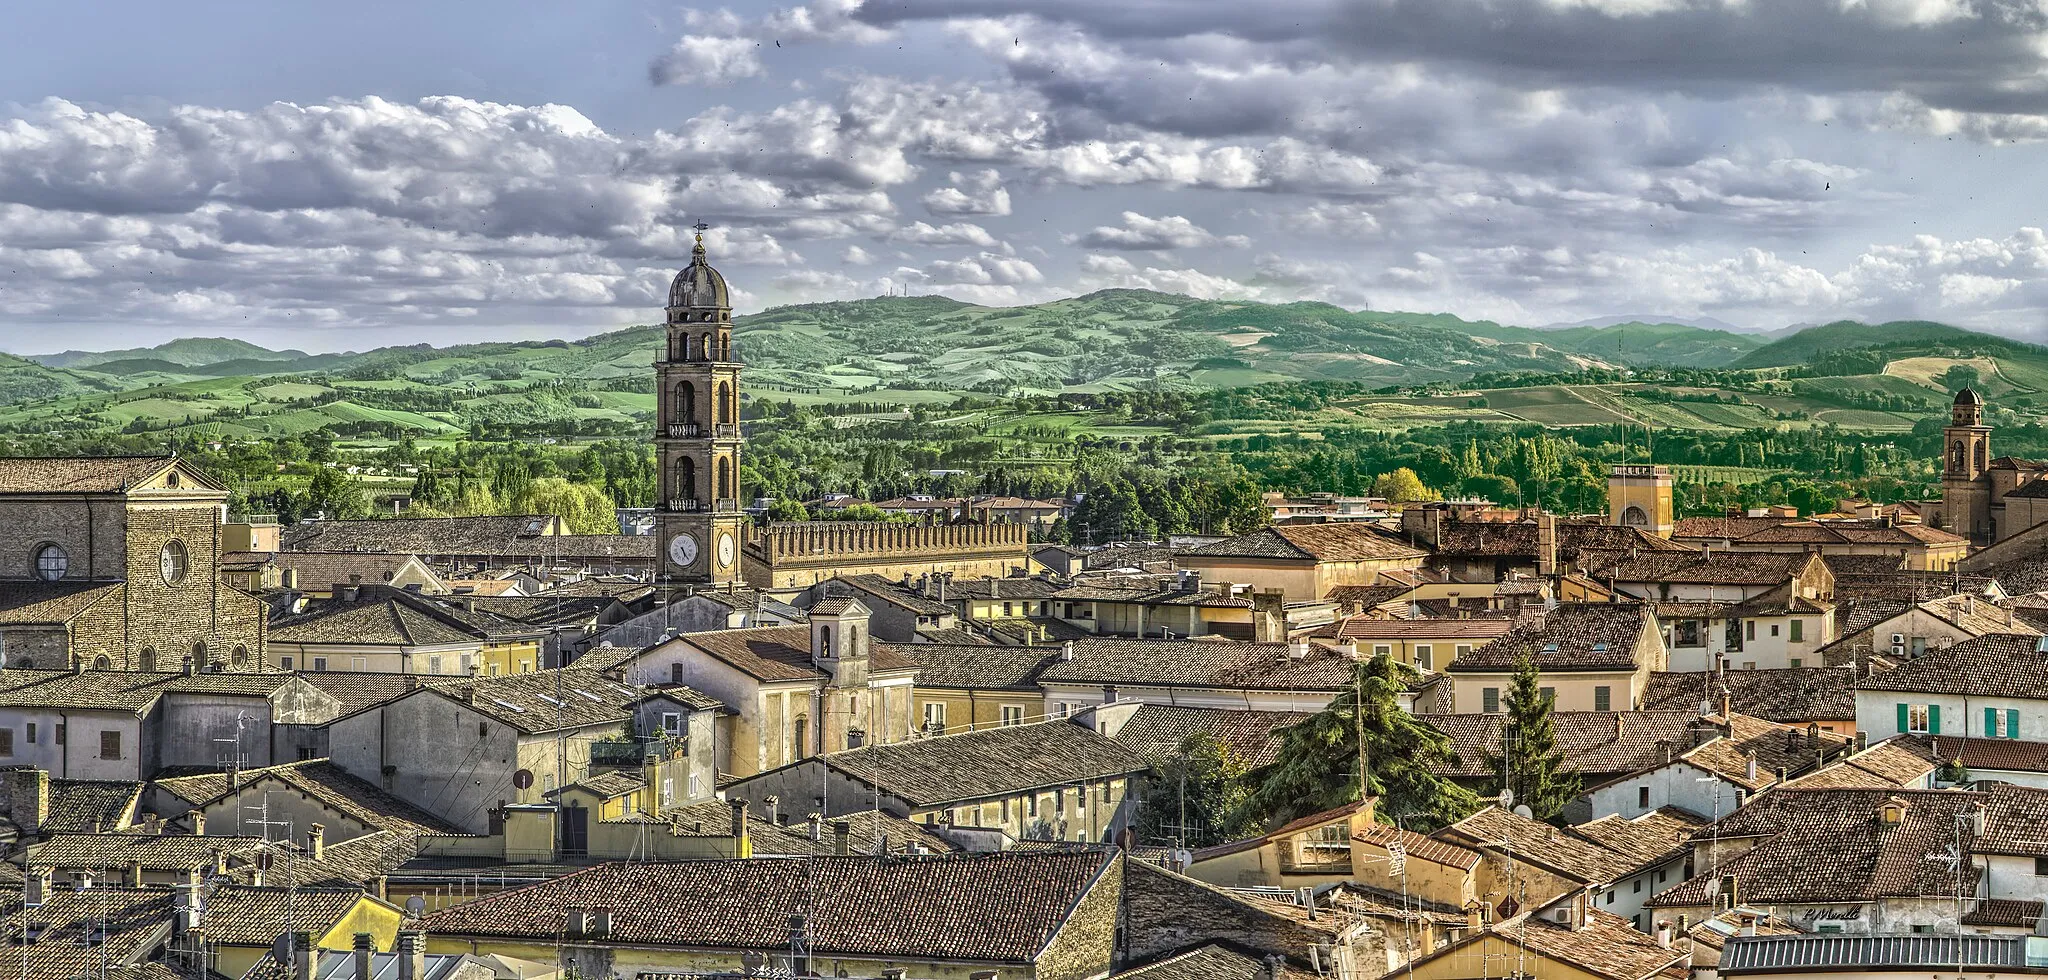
(684, 505)
(685, 430)
(726, 506)
(728, 430)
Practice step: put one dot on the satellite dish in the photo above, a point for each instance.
(264, 859)
(1524, 812)
(1507, 798)
(415, 905)
(282, 948)
(523, 779)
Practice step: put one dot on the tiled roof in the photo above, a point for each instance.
(713, 818)
(1127, 556)
(1801, 530)
(783, 653)
(1002, 907)
(41, 603)
(1577, 543)
(327, 784)
(609, 784)
(359, 689)
(1892, 763)
(1366, 596)
(243, 915)
(2006, 912)
(1201, 663)
(2010, 755)
(1608, 946)
(879, 589)
(1773, 746)
(1649, 837)
(546, 700)
(381, 614)
(1717, 568)
(80, 806)
(1156, 730)
(1575, 636)
(134, 921)
(1363, 630)
(321, 569)
(155, 852)
(1592, 741)
(1864, 565)
(1288, 829)
(978, 765)
(1562, 852)
(977, 667)
(1830, 845)
(1794, 695)
(112, 690)
(1159, 596)
(1420, 847)
(1996, 665)
(1318, 542)
(2014, 818)
(1210, 962)
(79, 474)
(1008, 587)
(417, 536)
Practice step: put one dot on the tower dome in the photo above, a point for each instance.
(698, 286)
(1967, 396)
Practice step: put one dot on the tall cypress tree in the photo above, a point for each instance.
(1320, 757)
(1530, 762)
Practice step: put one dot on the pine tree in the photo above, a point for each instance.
(1320, 757)
(1533, 765)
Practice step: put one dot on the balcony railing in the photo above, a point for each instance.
(727, 430)
(685, 430)
(726, 506)
(684, 505)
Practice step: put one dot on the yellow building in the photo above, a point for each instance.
(1426, 644)
(1639, 495)
(1302, 561)
(242, 922)
(966, 687)
(1592, 657)
(1566, 941)
(389, 630)
(1314, 850)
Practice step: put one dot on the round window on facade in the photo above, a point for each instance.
(52, 562)
(174, 562)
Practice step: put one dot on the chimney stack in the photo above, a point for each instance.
(316, 842)
(365, 949)
(742, 845)
(772, 804)
(412, 955)
(842, 838)
(133, 878)
(29, 789)
(817, 822)
(303, 955)
(198, 823)
(1620, 725)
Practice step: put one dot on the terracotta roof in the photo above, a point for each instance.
(1154, 596)
(326, 784)
(2007, 912)
(1253, 737)
(80, 806)
(1608, 946)
(1793, 695)
(2010, 755)
(1577, 543)
(548, 700)
(2014, 820)
(134, 923)
(977, 667)
(243, 915)
(384, 615)
(1318, 542)
(1002, 907)
(359, 689)
(1773, 746)
(114, 690)
(713, 818)
(80, 474)
(1288, 829)
(1562, 852)
(978, 765)
(432, 536)
(49, 603)
(1364, 630)
(1830, 846)
(1997, 665)
(1201, 663)
(1892, 763)
(1420, 847)
(1210, 962)
(1574, 636)
(1592, 741)
(1649, 837)
(890, 591)
(782, 653)
(1717, 568)
(1366, 596)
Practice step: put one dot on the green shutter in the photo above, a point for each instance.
(2012, 723)
(1902, 716)
(1990, 722)
(1934, 719)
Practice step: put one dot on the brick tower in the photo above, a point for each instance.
(697, 432)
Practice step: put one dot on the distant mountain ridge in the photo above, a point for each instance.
(184, 352)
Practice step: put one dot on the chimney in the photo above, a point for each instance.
(365, 950)
(303, 955)
(742, 846)
(1475, 917)
(1730, 892)
(817, 822)
(601, 921)
(1749, 766)
(772, 804)
(1297, 650)
(1862, 741)
(35, 887)
(576, 923)
(1272, 965)
(220, 861)
(1664, 933)
(1109, 694)
(842, 838)
(943, 578)
(1620, 725)
(198, 823)
(1067, 651)
(133, 877)
(995, 588)
(1546, 545)
(191, 666)
(316, 842)
(412, 955)
(1727, 704)
(1980, 817)
(30, 791)
(1307, 898)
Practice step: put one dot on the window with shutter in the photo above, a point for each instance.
(2012, 723)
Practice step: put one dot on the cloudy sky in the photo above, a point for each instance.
(342, 176)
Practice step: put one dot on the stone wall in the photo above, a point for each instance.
(1085, 945)
(802, 554)
(89, 529)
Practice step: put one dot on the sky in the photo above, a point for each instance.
(346, 176)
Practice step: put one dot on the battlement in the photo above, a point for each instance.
(805, 541)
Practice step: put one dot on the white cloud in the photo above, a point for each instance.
(958, 233)
(700, 59)
(1141, 233)
(980, 192)
(856, 255)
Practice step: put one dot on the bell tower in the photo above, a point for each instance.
(697, 432)
(1966, 455)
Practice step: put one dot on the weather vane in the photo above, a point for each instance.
(701, 229)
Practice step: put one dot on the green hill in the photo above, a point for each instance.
(1810, 343)
(185, 352)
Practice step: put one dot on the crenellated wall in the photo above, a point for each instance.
(803, 553)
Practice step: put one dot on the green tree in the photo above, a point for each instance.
(1530, 761)
(787, 509)
(586, 509)
(1320, 757)
(335, 495)
(1197, 797)
(1958, 377)
(1402, 486)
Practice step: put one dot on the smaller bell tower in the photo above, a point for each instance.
(1966, 457)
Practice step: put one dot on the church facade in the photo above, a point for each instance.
(1984, 498)
(113, 563)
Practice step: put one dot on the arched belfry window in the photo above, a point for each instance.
(1982, 451)
(686, 478)
(724, 478)
(1955, 456)
(1633, 516)
(724, 403)
(686, 402)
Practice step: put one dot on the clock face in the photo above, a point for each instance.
(682, 549)
(725, 549)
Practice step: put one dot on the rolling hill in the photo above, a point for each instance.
(186, 352)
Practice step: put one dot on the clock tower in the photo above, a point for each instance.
(697, 432)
